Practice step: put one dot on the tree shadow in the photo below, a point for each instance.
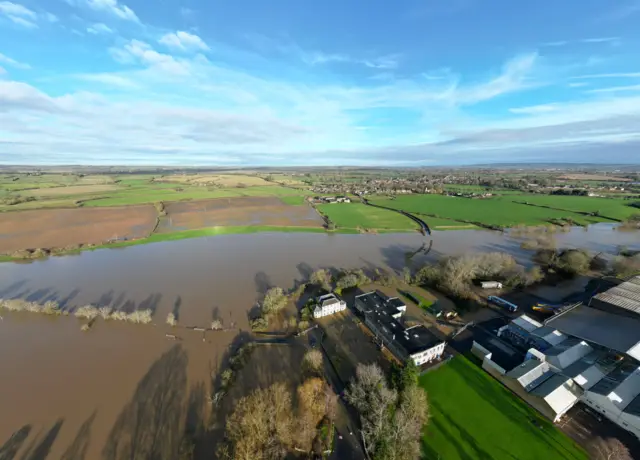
(149, 427)
(305, 270)
(12, 287)
(39, 448)
(176, 308)
(11, 447)
(77, 450)
(263, 283)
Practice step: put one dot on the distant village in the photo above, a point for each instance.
(447, 186)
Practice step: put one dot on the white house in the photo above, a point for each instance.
(328, 305)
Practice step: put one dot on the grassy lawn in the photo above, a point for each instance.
(295, 200)
(354, 215)
(498, 211)
(419, 300)
(474, 417)
(607, 207)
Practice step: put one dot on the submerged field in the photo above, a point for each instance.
(474, 416)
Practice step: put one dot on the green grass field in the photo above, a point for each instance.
(499, 211)
(607, 207)
(354, 215)
(474, 417)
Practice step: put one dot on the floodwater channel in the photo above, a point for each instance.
(126, 391)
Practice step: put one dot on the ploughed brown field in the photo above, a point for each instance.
(236, 212)
(58, 228)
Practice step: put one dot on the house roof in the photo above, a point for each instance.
(412, 340)
(550, 385)
(609, 330)
(625, 295)
(372, 300)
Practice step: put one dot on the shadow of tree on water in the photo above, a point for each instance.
(40, 447)
(12, 445)
(77, 450)
(149, 427)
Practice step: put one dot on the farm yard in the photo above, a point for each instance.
(474, 416)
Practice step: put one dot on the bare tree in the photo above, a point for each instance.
(311, 410)
(406, 428)
(370, 395)
(610, 449)
(321, 278)
(312, 360)
(261, 425)
(275, 300)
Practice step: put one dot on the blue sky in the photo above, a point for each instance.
(377, 82)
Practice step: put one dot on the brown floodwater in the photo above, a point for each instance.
(126, 391)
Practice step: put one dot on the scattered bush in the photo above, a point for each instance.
(303, 325)
(85, 327)
(351, 279)
(313, 360)
(171, 319)
(321, 278)
(48, 308)
(216, 325)
(626, 266)
(88, 312)
(274, 300)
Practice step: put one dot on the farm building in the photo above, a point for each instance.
(381, 315)
(586, 353)
(328, 305)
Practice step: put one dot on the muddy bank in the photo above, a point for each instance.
(58, 228)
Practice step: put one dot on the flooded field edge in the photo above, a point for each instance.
(105, 392)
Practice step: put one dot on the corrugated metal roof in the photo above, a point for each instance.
(625, 295)
(607, 329)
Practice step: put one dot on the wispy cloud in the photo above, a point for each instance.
(109, 79)
(578, 84)
(99, 28)
(183, 41)
(112, 7)
(139, 52)
(12, 62)
(19, 14)
(600, 40)
(615, 89)
(536, 109)
(608, 75)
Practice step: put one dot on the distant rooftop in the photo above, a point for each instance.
(625, 295)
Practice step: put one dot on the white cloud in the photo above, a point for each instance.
(109, 79)
(138, 52)
(19, 14)
(23, 16)
(112, 7)
(2, 71)
(13, 63)
(543, 108)
(183, 41)
(514, 77)
(578, 84)
(615, 89)
(609, 75)
(600, 40)
(99, 28)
